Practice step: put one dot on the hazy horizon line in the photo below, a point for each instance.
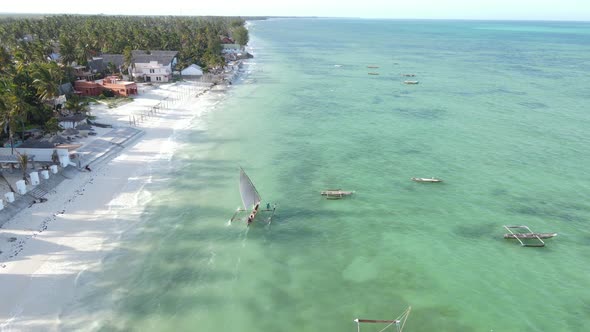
(306, 16)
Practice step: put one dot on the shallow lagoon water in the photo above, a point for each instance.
(499, 114)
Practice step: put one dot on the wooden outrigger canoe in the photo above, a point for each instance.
(251, 201)
(527, 234)
(335, 193)
(431, 180)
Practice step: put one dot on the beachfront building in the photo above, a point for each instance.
(192, 72)
(113, 83)
(81, 73)
(231, 48)
(87, 88)
(226, 40)
(153, 66)
(119, 87)
(111, 62)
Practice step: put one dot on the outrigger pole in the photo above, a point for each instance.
(399, 322)
(235, 214)
(273, 210)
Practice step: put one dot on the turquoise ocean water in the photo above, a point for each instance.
(500, 114)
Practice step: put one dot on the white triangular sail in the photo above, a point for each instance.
(250, 196)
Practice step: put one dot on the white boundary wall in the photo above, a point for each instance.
(42, 155)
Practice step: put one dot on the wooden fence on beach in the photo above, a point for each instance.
(185, 92)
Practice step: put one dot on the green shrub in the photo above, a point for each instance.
(108, 93)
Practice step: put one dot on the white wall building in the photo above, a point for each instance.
(153, 66)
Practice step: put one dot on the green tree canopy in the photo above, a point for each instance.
(240, 35)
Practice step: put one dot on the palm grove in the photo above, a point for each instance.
(30, 80)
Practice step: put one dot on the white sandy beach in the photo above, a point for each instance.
(47, 248)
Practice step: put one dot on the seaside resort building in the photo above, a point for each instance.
(155, 66)
(95, 88)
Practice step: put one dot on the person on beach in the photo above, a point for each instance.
(268, 206)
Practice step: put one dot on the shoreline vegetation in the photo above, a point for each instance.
(42, 55)
(75, 212)
(50, 66)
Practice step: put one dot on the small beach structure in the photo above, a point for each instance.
(427, 180)
(251, 200)
(193, 71)
(411, 82)
(398, 323)
(526, 237)
(335, 193)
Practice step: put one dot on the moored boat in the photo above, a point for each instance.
(526, 237)
(335, 193)
(529, 235)
(411, 82)
(432, 180)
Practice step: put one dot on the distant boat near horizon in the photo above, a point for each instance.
(411, 82)
(428, 180)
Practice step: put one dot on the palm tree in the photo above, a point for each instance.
(76, 105)
(5, 61)
(14, 108)
(8, 120)
(52, 126)
(47, 77)
(240, 35)
(67, 50)
(23, 161)
(128, 59)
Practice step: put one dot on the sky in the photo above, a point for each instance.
(567, 10)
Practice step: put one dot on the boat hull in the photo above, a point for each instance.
(529, 235)
(432, 180)
(335, 193)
